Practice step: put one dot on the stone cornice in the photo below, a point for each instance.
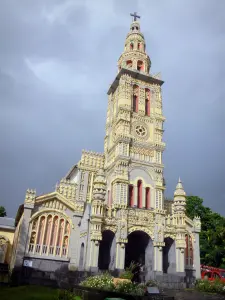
(133, 74)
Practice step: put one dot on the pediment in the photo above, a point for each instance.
(55, 201)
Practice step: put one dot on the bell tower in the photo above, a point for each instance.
(133, 143)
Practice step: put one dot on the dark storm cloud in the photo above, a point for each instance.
(57, 59)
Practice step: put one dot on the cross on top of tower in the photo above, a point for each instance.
(135, 16)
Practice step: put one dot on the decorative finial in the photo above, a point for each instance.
(179, 184)
(135, 16)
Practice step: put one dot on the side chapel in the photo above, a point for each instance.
(110, 209)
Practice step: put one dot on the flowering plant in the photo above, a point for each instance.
(216, 286)
(130, 288)
(103, 281)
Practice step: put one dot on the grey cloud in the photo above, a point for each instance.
(43, 128)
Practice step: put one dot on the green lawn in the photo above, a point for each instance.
(28, 293)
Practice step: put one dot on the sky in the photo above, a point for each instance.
(57, 60)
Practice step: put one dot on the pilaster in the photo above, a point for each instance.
(94, 253)
(180, 260)
(197, 229)
(120, 255)
(74, 243)
(23, 239)
(158, 258)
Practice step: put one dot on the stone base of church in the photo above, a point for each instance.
(178, 280)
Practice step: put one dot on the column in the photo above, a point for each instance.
(144, 197)
(180, 260)
(43, 237)
(94, 253)
(62, 237)
(120, 256)
(158, 257)
(135, 193)
(50, 236)
(37, 232)
(56, 236)
(197, 256)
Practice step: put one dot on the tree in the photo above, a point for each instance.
(212, 235)
(2, 211)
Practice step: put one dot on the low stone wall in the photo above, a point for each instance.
(63, 278)
(171, 281)
(95, 294)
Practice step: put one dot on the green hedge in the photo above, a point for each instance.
(210, 286)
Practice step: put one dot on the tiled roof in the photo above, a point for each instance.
(7, 222)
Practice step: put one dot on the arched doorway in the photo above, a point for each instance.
(169, 256)
(137, 248)
(105, 250)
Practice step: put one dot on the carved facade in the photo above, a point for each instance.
(109, 197)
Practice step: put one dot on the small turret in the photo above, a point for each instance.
(99, 193)
(197, 224)
(99, 188)
(179, 198)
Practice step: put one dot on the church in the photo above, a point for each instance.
(109, 209)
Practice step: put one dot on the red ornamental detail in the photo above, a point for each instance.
(131, 195)
(148, 198)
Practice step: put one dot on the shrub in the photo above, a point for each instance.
(210, 286)
(66, 295)
(129, 272)
(103, 281)
(151, 283)
(130, 288)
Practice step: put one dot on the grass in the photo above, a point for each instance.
(28, 293)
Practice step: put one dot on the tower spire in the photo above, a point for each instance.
(134, 56)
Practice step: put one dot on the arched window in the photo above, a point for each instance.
(129, 64)
(140, 65)
(131, 46)
(189, 251)
(131, 196)
(147, 102)
(139, 187)
(135, 98)
(49, 235)
(139, 46)
(148, 198)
